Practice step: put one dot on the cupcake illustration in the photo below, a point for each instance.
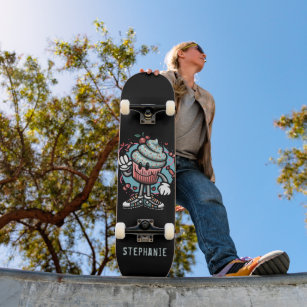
(145, 167)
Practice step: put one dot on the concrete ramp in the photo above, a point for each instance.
(22, 288)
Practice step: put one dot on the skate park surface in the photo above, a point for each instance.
(24, 288)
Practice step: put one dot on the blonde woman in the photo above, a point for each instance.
(195, 181)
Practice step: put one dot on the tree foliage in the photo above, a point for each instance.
(293, 162)
(58, 156)
(185, 246)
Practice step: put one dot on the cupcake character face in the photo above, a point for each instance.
(143, 171)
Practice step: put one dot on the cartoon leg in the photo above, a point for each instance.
(148, 194)
(141, 191)
(151, 202)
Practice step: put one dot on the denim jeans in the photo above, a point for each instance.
(203, 200)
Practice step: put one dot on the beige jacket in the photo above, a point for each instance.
(207, 103)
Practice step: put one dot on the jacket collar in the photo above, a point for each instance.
(197, 93)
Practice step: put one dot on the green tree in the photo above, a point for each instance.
(58, 156)
(293, 162)
(185, 245)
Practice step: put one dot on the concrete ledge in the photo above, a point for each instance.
(22, 288)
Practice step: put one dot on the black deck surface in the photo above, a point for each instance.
(155, 144)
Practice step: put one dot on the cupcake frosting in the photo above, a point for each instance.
(151, 153)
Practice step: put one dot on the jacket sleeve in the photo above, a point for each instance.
(210, 131)
(212, 116)
(169, 75)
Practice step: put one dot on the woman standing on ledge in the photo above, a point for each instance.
(195, 181)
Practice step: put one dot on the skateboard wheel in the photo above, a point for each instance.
(170, 107)
(120, 230)
(169, 231)
(125, 107)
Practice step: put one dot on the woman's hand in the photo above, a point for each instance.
(149, 71)
(179, 208)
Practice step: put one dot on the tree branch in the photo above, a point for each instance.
(51, 249)
(15, 176)
(106, 254)
(56, 141)
(70, 170)
(47, 241)
(58, 218)
(35, 106)
(89, 243)
(97, 88)
(15, 101)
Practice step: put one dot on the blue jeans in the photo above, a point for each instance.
(203, 200)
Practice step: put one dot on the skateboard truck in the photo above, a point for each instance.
(147, 116)
(147, 111)
(145, 230)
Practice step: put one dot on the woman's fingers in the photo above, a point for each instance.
(149, 71)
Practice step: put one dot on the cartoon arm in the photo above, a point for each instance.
(125, 165)
(164, 187)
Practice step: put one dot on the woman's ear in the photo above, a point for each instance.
(180, 53)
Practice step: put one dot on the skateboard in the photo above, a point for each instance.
(145, 213)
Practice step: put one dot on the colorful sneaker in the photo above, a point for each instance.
(134, 202)
(153, 203)
(276, 262)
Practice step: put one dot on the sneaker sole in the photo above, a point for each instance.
(276, 262)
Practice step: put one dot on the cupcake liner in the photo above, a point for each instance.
(142, 175)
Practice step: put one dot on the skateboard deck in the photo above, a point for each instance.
(145, 212)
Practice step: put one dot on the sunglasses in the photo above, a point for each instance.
(200, 49)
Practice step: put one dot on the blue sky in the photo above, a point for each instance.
(256, 67)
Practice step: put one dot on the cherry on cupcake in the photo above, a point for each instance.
(142, 140)
(126, 186)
